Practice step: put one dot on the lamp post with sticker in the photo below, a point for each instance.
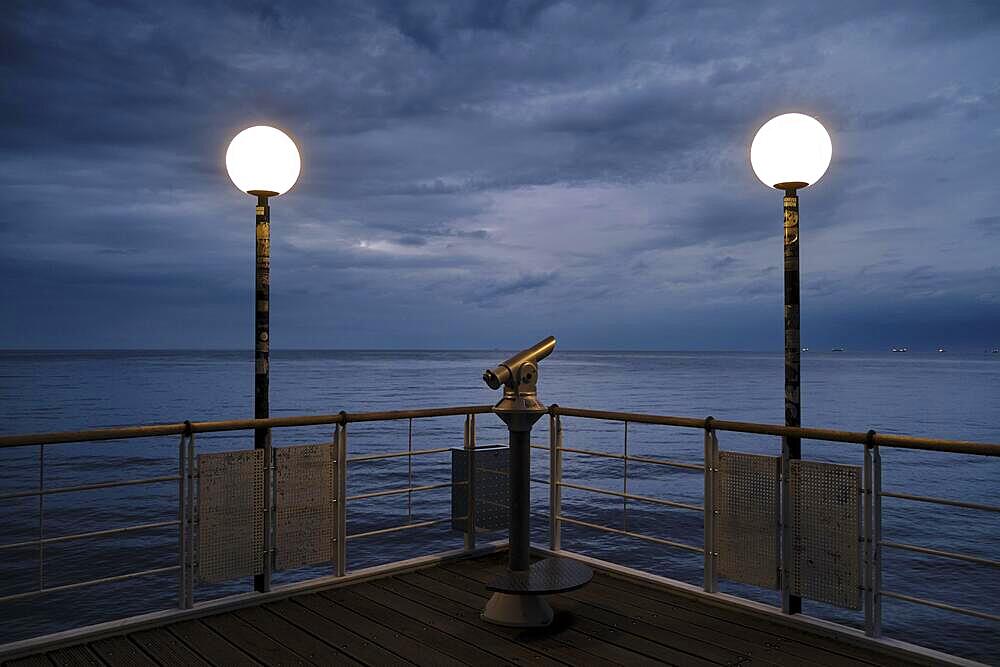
(790, 152)
(263, 162)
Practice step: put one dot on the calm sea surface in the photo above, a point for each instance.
(943, 395)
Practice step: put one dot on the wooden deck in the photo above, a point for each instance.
(431, 617)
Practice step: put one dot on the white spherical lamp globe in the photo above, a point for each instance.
(262, 160)
(791, 151)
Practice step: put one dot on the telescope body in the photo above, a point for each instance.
(504, 372)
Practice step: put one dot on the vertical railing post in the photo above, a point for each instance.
(262, 582)
(788, 601)
(873, 537)
(711, 583)
(189, 484)
(876, 628)
(555, 479)
(341, 500)
(868, 546)
(41, 516)
(625, 481)
(409, 470)
(181, 522)
(469, 442)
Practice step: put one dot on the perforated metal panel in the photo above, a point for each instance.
(230, 514)
(747, 502)
(491, 487)
(826, 531)
(305, 527)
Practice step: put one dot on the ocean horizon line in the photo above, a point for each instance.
(591, 350)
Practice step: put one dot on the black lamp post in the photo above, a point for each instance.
(791, 152)
(264, 162)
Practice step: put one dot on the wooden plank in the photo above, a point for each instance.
(215, 649)
(808, 646)
(609, 627)
(567, 628)
(411, 601)
(473, 595)
(119, 651)
(37, 660)
(583, 648)
(749, 619)
(166, 648)
(468, 607)
(387, 638)
(252, 641)
(757, 644)
(74, 655)
(417, 634)
(304, 644)
(615, 602)
(356, 646)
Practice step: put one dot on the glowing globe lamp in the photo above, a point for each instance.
(262, 160)
(791, 151)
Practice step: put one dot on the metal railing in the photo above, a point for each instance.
(872, 442)
(187, 475)
(873, 543)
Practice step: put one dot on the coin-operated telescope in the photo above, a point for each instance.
(517, 595)
(519, 377)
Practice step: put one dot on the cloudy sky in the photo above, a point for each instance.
(484, 174)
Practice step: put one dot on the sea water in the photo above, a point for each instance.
(939, 395)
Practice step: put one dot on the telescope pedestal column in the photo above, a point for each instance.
(515, 609)
(518, 594)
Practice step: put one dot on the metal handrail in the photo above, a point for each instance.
(180, 428)
(405, 489)
(394, 529)
(91, 534)
(628, 533)
(89, 487)
(633, 457)
(395, 455)
(941, 501)
(831, 435)
(90, 582)
(632, 496)
(940, 552)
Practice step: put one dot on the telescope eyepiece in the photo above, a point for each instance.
(491, 379)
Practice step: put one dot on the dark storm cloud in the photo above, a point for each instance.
(465, 161)
(989, 225)
(492, 294)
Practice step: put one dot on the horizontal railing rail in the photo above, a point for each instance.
(179, 428)
(870, 437)
(830, 435)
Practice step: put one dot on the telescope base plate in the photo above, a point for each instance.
(545, 577)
